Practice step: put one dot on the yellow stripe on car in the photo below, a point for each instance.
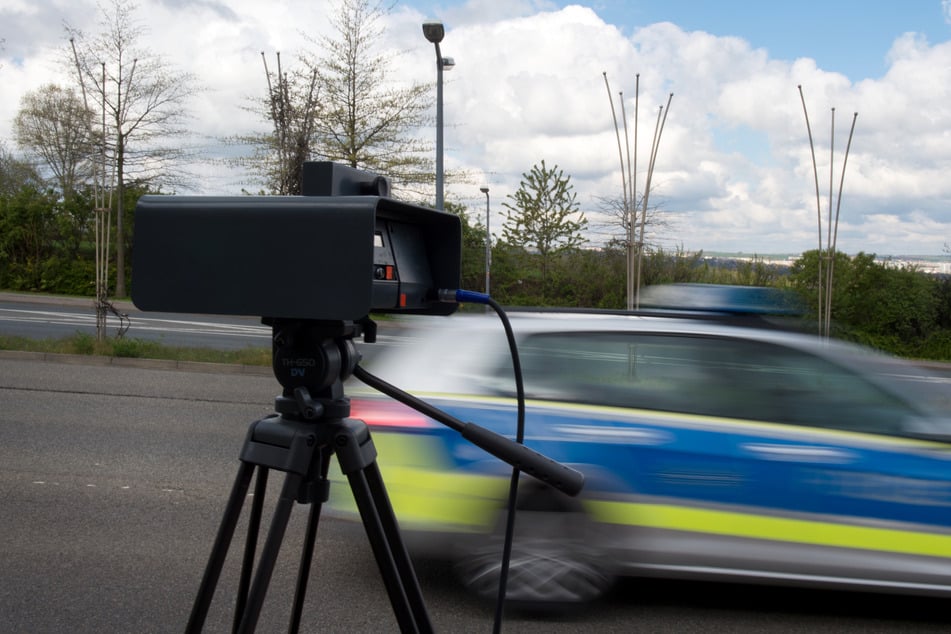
(753, 526)
(422, 489)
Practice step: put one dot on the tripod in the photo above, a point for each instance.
(310, 426)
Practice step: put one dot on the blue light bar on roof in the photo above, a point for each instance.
(721, 298)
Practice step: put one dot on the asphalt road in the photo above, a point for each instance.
(40, 317)
(113, 479)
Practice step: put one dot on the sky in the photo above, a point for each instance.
(733, 170)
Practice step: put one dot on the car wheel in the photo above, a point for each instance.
(553, 564)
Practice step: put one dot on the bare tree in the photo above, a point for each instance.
(294, 117)
(292, 107)
(635, 238)
(832, 226)
(617, 228)
(141, 99)
(367, 119)
(54, 125)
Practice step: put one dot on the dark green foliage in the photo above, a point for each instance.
(27, 237)
(943, 302)
(473, 249)
(900, 310)
(47, 244)
(593, 278)
(894, 308)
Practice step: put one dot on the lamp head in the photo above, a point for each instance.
(434, 31)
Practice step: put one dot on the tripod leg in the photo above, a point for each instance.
(391, 531)
(356, 453)
(220, 549)
(250, 545)
(392, 579)
(272, 546)
(307, 553)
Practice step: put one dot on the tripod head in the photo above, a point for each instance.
(311, 360)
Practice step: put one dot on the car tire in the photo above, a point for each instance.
(553, 565)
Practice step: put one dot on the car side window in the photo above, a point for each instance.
(706, 375)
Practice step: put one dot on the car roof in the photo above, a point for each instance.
(526, 321)
(455, 354)
(481, 334)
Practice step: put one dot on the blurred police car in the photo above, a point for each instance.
(711, 449)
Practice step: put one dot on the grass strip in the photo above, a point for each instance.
(81, 343)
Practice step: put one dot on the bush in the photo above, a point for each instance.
(937, 347)
(69, 277)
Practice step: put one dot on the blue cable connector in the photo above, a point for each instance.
(461, 296)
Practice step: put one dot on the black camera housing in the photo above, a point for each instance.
(342, 250)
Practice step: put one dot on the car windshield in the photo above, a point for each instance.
(694, 369)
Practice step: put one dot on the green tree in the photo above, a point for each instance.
(473, 248)
(543, 216)
(515, 280)
(23, 221)
(368, 119)
(888, 303)
(938, 343)
(28, 237)
(893, 308)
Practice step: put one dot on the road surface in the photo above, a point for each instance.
(41, 317)
(113, 479)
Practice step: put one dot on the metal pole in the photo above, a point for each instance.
(488, 240)
(439, 165)
(815, 175)
(434, 32)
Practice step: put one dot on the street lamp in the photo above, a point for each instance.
(488, 240)
(434, 32)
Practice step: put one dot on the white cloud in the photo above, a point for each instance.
(734, 163)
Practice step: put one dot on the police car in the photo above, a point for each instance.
(711, 448)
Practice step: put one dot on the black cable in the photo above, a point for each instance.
(513, 484)
(468, 429)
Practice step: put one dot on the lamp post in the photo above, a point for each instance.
(488, 240)
(434, 32)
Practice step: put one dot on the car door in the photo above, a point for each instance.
(639, 412)
(838, 491)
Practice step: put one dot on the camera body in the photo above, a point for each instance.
(342, 250)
